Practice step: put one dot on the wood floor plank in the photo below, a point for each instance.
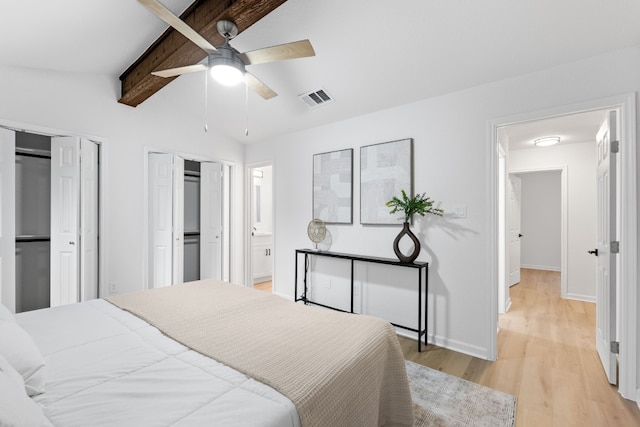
(546, 358)
(264, 286)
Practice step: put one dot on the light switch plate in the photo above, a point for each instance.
(459, 211)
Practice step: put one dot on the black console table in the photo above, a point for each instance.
(420, 266)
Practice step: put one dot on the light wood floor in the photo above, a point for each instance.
(546, 358)
(263, 286)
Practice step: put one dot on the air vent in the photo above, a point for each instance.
(316, 99)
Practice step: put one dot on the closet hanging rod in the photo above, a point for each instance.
(31, 152)
(194, 174)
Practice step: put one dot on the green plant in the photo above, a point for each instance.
(418, 204)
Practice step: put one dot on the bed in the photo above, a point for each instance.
(200, 353)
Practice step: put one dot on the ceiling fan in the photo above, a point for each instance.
(226, 64)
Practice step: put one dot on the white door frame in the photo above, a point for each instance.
(628, 318)
(7, 219)
(248, 247)
(103, 178)
(504, 299)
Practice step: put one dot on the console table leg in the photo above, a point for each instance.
(420, 310)
(426, 303)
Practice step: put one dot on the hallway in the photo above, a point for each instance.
(546, 358)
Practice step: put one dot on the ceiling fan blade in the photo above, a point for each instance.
(167, 16)
(258, 87)
(293, 50)
(172, 72)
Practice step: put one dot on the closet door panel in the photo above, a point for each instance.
(89, 220)
(211, 220)
(65, 220)
(7, 219)
(161, 212)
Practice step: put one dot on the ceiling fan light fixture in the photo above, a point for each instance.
(226, 75)
(226, 68)
(546, 141)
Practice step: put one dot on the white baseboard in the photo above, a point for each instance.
(540, 267)
(449, 344)
(578, 297)
(261, 279)
(285, 296)
(508, 305)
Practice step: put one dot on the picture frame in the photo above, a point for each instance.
(385, 169)
(333, 186)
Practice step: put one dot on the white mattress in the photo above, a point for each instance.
(106, 367)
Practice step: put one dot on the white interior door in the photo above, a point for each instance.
(65, 220)
(7, 219)
(606, 271)
(88, 220)
(178, 219)
(514, 190)
(160, 219)
(211, 220)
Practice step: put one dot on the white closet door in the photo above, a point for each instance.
(65, 219)
(89, 220)
(210, 220)
(178, 219)
(160, 219)
(7, 219)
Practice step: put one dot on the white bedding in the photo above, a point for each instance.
(108, 367)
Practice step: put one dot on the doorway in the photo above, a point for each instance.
(541, 228)
(536, 217)
(261, 226)
(627, 216)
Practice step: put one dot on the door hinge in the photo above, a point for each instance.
(615, 146)
(615, 247)
(615, 347)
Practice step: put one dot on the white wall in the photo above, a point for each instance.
(540, 220)
(452, 150)
(580, 160)
(87, 105)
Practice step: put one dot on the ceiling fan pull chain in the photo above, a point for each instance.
(206, 100)
(246, 106)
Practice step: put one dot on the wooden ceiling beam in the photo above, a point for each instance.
(172, 49)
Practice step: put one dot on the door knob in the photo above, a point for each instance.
(520, 235)
(593, 252)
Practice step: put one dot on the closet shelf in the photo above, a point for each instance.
(32, 238)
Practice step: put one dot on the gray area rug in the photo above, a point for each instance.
(444, 400)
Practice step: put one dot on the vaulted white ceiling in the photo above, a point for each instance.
(370, 54)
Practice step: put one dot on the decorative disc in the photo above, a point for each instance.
(316, 230)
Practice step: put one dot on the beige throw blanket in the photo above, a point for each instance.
(338, 369)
